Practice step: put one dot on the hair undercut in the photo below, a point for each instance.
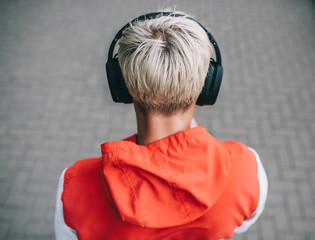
(164, 62)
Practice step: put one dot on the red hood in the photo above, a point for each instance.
(170, 182)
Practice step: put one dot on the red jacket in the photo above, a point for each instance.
(186, 186)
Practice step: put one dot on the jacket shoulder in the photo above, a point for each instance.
(82, 191)
(244, 181)
(83, 167)
(243, 161)
(238, 149)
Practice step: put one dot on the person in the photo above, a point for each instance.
(172, 179)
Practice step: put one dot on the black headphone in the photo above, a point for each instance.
(117, 84)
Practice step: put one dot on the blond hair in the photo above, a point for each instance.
(164, 62)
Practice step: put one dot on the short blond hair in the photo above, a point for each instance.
(164, 62)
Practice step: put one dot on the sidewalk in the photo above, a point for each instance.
(55, 106)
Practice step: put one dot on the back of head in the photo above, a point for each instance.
(164, 62)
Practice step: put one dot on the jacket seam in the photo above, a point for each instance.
(133, 190)
(174, 186)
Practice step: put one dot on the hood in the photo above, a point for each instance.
(167, 183)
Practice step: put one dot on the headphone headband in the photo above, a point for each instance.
(153, 15)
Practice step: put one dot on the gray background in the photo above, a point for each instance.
(55, 107)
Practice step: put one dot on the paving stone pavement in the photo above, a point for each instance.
(55, 106)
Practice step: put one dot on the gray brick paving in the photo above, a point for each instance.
(55, 107)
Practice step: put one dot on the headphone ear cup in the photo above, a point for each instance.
(116, 82)
(212, 84)
(215, 87)
(203, 98)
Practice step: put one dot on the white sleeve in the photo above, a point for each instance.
(62, 231)
(263, 192)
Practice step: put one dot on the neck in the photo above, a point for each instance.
(155, 126)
